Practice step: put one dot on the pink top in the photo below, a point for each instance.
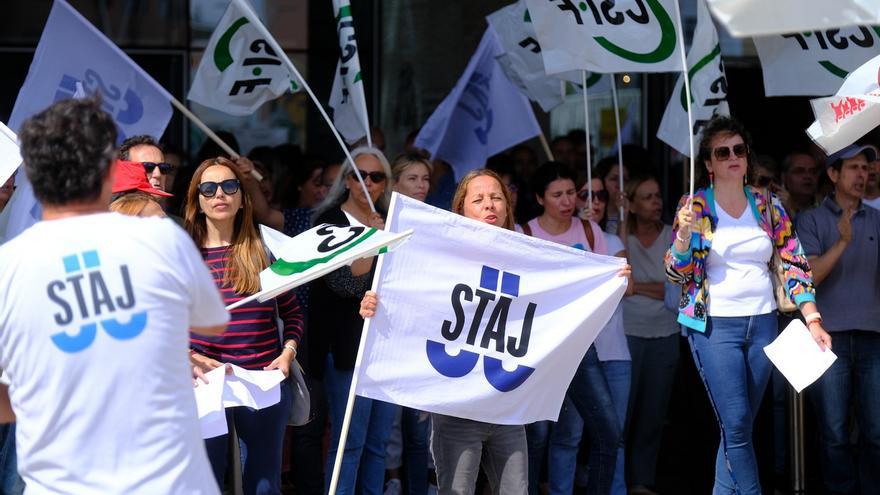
(574, 236)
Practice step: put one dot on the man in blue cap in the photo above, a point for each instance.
(840, 238)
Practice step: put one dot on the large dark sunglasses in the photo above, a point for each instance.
(597, 195)
(163, 167)
(723, 152)
(229, 186)
(376, 177)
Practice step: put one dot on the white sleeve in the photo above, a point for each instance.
(206, 304)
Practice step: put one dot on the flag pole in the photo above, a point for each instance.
(587, 133)
(546, 146)
(619, 140)
(349, 406)
(687, 91)
(281, 53)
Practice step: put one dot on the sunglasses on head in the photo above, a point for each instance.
(163, 167)
(376, 177)
(601, 195)
(723, 152)
(229, 186)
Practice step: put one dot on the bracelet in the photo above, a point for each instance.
(291, 347)
(810, 318)
(680, 238)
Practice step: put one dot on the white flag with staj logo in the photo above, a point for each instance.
(239, 70)
(479, 322)
(628, 35)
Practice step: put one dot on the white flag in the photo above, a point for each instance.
(315, 253)
(72, 51)
(522, 60)
(763, 17)
(814, 63)
(492, 329)
(484, 114)
(239, 70)
(626, 35)
(10, 158)
(347, 95)
(708, 87)
(851, 113)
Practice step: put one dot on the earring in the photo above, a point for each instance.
(712, 178)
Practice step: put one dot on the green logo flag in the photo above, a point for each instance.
(626, 36)
(347, 95)
(239, 70)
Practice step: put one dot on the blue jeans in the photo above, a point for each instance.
(731, 361)
(566, 434)
(10, 482)
(537, 435)
(590, 395)
(851, 385)
(363, 462)
(414, 425)
(260, 440)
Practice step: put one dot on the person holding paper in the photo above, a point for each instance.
(722, 248)
(219, 218)
(93, 325)
(335, 327)
(840, 237)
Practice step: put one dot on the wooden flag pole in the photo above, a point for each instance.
(687, 91)
(619, 140)
(587, 133)
(546, 146)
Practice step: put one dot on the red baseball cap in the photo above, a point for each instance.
(130, 176)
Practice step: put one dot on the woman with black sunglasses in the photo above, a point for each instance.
(724, 240)
(219, 218)
(335, 327)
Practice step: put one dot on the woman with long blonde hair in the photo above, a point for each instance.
(219, 218)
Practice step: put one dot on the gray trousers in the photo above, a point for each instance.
(461, 446)
(654, 362)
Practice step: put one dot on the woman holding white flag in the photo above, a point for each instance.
(219, 218)
(723, 244)
(335, 327)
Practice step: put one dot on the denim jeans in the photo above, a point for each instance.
(537, 436)
(409, 439)
(461, 446)
(565, 435)
(10, 482)
(851, 385)
(260, 439)
(731, 361)
(363, 461)
(654, 362)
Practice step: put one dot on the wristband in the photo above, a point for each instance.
(677, 236)
(291, 347)
(810, 318)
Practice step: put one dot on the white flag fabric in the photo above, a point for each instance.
(522, 60)
(347, 94)
(72, 51)
(851, 113)
(315, 253)
(814, 63)
(10, 158)
(484, 114)
(763, 17)
(628, 35)
(239, 70)
(708, 87)
(479, 322)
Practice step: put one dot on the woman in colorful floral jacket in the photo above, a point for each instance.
(720, 255)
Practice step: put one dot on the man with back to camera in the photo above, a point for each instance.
(840, 238)
(94, 326)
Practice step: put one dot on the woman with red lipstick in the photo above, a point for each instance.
(219, 218)
(725, 237)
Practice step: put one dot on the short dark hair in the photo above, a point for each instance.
(722, 125)
(139, 140)
(549, 172)
(67, 151)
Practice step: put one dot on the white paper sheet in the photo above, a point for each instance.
(250, 388)
(797, 356)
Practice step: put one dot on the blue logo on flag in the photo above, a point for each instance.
(498, 289)
(475, 102)
(126, 107)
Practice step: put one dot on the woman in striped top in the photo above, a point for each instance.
(219, 218)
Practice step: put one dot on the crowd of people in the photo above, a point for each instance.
(709, 277)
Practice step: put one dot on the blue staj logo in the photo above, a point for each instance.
(84, 294)
(126, 108)
(499, 288)
(475, 102)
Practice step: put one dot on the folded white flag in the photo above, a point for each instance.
(479, 322)
(851, 113)
(255, 389)
(762, 17)
(797, 356)
(347, 94)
